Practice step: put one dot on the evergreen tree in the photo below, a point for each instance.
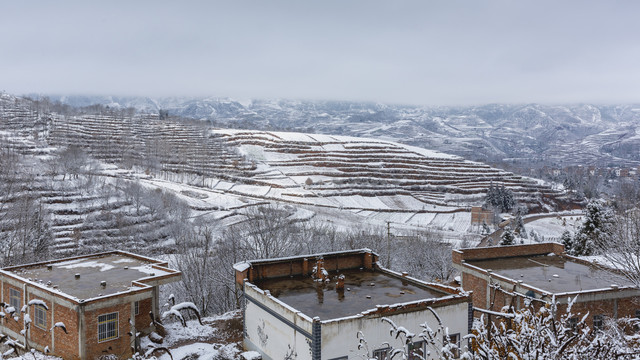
(596, 230)
(500, 198)
(567, 241)
(519, 226)
(485, 228)
(508, 237)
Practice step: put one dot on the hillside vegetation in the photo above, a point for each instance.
(84, 179)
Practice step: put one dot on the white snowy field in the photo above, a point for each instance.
(551, 228)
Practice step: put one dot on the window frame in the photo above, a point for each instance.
(573, 323)
(106, 323)
(136, 307)
(455, 339)
(17, 298)
(416, 345)
(384, 352)
(598, 321)
(40, 317)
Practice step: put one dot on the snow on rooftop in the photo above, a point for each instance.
(82, 278)
(241, 266)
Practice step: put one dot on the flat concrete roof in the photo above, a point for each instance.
(118, 270)
(364, 289)
(552, 273)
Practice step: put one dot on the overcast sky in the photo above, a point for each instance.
(411, 52)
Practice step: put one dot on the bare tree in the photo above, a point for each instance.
(269, 231)
(622, 250)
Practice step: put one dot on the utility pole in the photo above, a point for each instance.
(388, 245)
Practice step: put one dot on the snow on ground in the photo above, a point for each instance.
(203, 351)
(552, 227)
(216, 339)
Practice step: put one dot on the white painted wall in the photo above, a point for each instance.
(339, 337)
(270, 336)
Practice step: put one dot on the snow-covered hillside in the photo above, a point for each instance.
(554, 135)
(136, 158)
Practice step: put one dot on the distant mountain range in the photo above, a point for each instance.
(527, 135)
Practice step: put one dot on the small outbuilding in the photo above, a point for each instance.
(314, 306)
(83, 307)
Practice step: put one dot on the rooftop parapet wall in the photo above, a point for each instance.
(496, 252)
(78, 279)
(256, 270)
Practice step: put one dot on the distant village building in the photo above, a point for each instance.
(314, 306)
(480, 216)
(100, 299)
(510, 275)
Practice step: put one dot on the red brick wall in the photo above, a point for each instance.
(143, 320)
(479, 288)
(506, 251)
(66, 345)
(627, 307)
(295, 266)
(121, 346)
(40, 336)
(8, 321)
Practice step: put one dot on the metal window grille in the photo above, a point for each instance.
(14, 299)
(454, 339)
(40, 317)
(417, 350)
(107, 327)
(573, 323)
(598, 321)
(382, 354)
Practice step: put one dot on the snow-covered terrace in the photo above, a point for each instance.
(97, 275)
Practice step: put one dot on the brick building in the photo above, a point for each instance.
(99, 298)
(314, 306)
(480, 216)
(508, 275)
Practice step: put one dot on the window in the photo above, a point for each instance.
(40, 317)
(598, 321)
(573, 323)
(107, 327)
(455, 340)
(137, 307)
(417, 350)
(382, 354)
(15, 299)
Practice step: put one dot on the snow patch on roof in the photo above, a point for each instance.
(241, 266)
(79, 263)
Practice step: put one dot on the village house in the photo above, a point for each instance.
(480, 215)
(510, 275)
(312, 307)
(83, 307)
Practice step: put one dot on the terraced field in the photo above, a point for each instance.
(315, 167)
(219, 173)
